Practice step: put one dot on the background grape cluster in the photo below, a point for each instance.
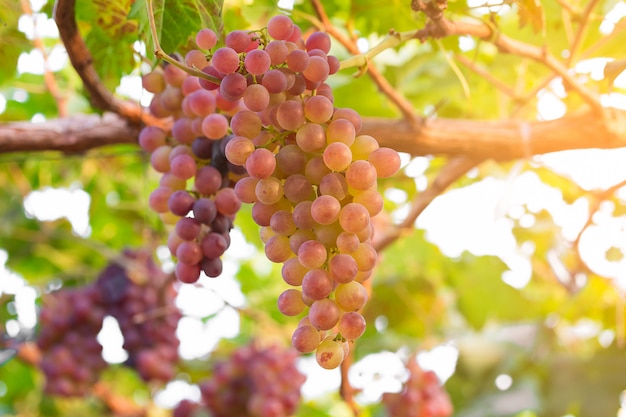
(139, 295)
(253, 382)
(422, 396)
(301, 162)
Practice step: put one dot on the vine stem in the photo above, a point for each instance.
(161, 54)
(392, 40)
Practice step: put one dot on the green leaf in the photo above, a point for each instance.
(178, 20)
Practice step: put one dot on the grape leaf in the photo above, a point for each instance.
(531, 11)
(177, 21)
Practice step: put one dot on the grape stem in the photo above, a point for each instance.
(392, 40)
(161, 54)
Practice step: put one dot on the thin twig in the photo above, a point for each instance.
(452, 171)
(581, 32)
(324, 23)
(48, 76)
(486, 75)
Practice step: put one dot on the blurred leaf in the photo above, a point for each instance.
(531, 11)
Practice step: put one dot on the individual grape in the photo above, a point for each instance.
(213, 245)
(246, 123)
(386, 161)
(318, 40)
(226, 201)
(316, 284)
(363, 146)
(361, 175)
(233, 86)
(351, 325)
(195, 59)
(351, 296)
(316, 169)
(159, 198)
(371, 200)
(151, 137)
(280, 27)
(182, 131)
(347, 242)
(291, 160)
(297, 238)
(297, 60)
(202, 102)
(189, 252)
(282, 223)
(342, 268)
(277, 249)
(261, 163)
(183, 166)
(160, 158)
(173, 75)
(312, 254)
(297, 188)
(341, 130)
(290, 115)
(204, 210)
(208, 180)
(325, 209)
(305, 338)
(187, 228)
(269, 190)
(215, 126)
(318, 109)
(354, 217)
(293, 272)
(311, 137)
(225, 60)
(317, 69)
(302, 215)
(329, 353)
(238, 40)
(180, 202)
(290, 302)
(153, 81)
(275, 81)
(334, 184)
(208, 84)
(206, 39)
(257, 62)
(324, 314)
(256, 97)
(212, 267)
(245, 189)
(365, 256)
(337, 156)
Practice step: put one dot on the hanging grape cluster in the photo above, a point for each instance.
(71, 319)
(422, 396)
(253, 382)
(71, 357)
(309, 173)
(142, 300)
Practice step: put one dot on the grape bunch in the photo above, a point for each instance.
(300, 161)
(144, 307)
(253, 382)
(71, 357)
(195, 192)
(422, 396)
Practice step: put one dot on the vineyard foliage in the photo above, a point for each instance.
(509, 286)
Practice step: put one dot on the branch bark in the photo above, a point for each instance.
(476, 139)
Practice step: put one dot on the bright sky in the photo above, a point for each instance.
(483, 227)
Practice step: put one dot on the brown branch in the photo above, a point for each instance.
(452, 171)
(501, 140)
(81, 60)
(405, 107)
(486, 75)
(48, 76)
(582, 30)
(439, 26)
(76, 133)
